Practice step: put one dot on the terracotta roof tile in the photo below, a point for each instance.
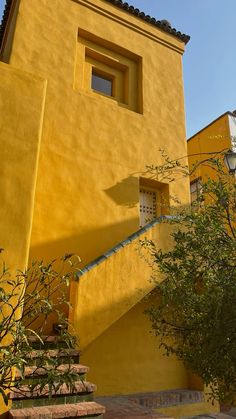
(161, 24)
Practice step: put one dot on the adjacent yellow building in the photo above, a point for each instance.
(211, 141)
(90, 92)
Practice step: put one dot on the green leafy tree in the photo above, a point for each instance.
(29, 302)
(193, 308)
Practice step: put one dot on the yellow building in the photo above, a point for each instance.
(90, 92)
(213, 140)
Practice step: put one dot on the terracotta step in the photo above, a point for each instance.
(24, 391)
(39, 356)
(34, 371)
(53, 353)
(79, 410)
(50, 341)
(46, 338)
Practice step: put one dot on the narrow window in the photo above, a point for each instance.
(148, 206)
(195, 189)
(102, 83)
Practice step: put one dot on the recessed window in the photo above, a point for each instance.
(102, 83)
(106, 69)
(195, 189)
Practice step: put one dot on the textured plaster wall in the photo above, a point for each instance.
(192, 409)
(21, 108)
(92, 153)
(109, 290)
(214, 138)
(123, 370)
(94, 150)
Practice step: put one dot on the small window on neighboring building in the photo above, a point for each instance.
(195, 189)
(102, 83)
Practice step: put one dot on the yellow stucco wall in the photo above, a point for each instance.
(93, 149)
(213, 138)
(134, 362)
(21, 108)
(188, 410)
(106, 292)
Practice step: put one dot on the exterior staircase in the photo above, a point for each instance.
(31, 400)
(109, 286)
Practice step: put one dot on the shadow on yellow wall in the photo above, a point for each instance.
(80, 243)
(120, 192)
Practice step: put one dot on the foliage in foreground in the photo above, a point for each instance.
(29, 302)
(194, 308)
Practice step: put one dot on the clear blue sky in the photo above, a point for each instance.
(210, 58)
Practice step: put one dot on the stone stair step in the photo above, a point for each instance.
(80, 410)
(29, 401)
(35, 372)
(24, 391)
(53, 353)
(52, 401)
(49, 341)
(36, 356)
(45, 338)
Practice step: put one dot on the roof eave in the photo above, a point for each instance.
(149, 19)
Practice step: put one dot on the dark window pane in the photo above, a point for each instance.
(101, 84)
